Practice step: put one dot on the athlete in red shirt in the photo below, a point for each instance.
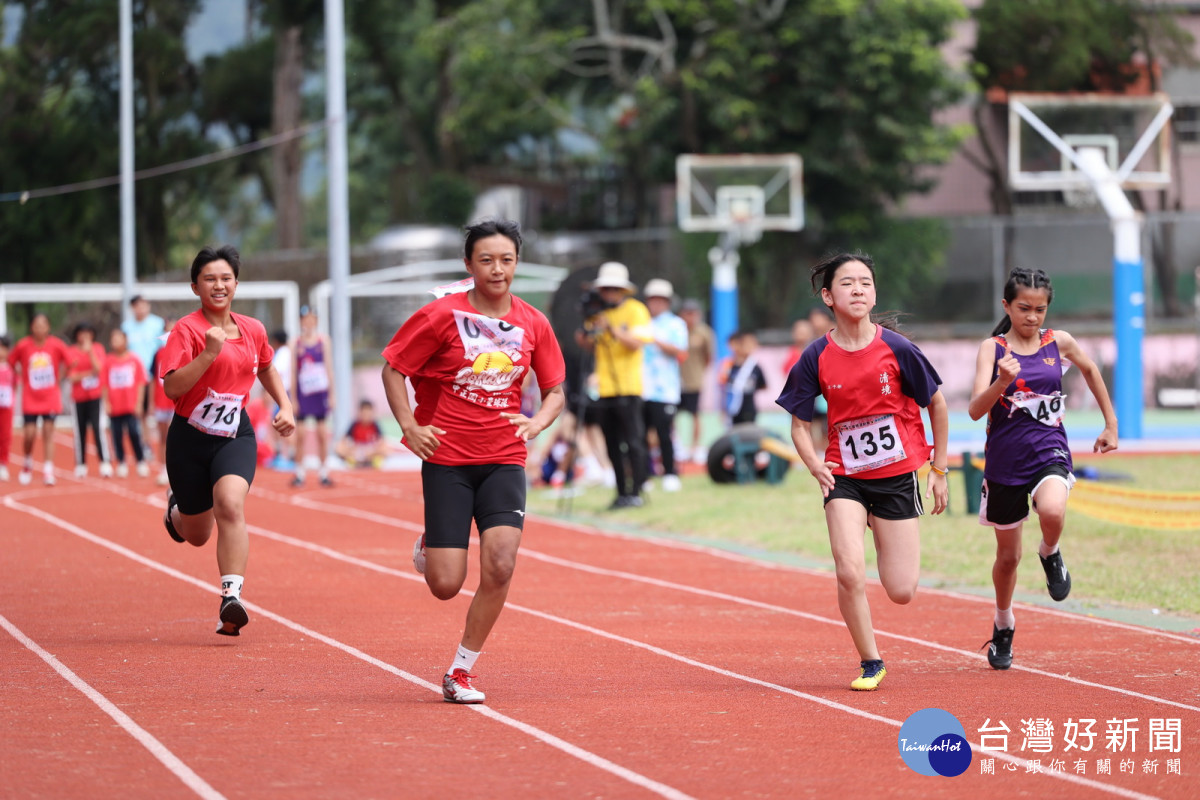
(875, 382)
(8, 398)
(208, 366)
(125, 396)
(40, 361)
(466, 355)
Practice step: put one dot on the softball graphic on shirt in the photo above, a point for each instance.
(493, 348)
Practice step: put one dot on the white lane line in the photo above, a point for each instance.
(143, 737)
(598, 761)
(588, 757)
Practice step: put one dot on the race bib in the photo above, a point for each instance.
(313, 378)
(869, 443)
(6, 397)
(218, 414)
(41, 377)
(121, 377)
(90, 382)
(1045, 408)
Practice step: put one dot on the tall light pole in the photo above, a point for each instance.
(339, 210)
(128, 244)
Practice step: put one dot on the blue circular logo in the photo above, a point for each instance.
(934, 742)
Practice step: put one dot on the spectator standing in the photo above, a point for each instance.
(661, 381)
(145, 332)
(124, 381)
(617, 335)
(702, 350)
(312, 387)
(85, 363)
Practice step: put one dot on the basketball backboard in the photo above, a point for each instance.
(748, 191)
(1047, 130)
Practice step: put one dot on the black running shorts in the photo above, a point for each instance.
(492, 494)
(197, 460)
(1004, 506)
(895, 498)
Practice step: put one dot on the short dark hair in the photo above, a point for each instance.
(137, 298)
(279, 335)
(208, 254)
(365, 404)
(491, 227)
(5, 341)
(80, 328)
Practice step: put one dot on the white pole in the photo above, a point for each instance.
(128, 245)
(339, 212)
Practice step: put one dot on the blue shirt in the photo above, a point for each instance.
(145, 337)
(661, 382)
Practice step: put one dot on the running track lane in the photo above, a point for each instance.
(705, 726)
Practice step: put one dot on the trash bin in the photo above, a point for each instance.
(972, 481)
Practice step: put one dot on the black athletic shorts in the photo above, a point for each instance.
(197, 460)
(689, 402)
(1004, 506)
(895, 498)
(492, 494)
(32, 419)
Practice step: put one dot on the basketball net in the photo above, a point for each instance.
(745, 227)
(1080, 198)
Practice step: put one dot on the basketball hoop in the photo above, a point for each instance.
(742, 208)
(1080, 198)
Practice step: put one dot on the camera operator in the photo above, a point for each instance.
(616, 328)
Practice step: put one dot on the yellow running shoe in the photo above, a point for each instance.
(871, 676)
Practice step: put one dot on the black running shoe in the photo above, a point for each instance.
(233, 616)
(626, 501)
(1058, 580)
(1000, 648)
(170, 526)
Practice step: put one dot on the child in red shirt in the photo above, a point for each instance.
(124, 383)
(85, 360)
(41, 362)
(8, 396)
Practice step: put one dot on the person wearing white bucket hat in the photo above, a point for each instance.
(661, 382)
(617, 334)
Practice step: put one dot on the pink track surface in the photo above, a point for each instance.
(623, 666)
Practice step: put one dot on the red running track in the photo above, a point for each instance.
(623, 666)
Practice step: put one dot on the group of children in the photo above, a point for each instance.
(110, 384)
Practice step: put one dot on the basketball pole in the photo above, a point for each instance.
(725, 260)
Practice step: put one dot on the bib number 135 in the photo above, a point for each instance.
(869, 443)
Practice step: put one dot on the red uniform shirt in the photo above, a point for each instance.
(41, 366)
(161, 401)
(875, 399)
(123, 376)
(78, 360)
(467, 368)
(8, 391)
(231, 373)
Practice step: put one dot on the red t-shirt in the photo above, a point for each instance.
(123, 375)
(161, 401)
(235, 368)
(467, 368)
(8, 391)
(87, 387)
(41, 365)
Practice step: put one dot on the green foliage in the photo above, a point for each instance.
(1071, 45)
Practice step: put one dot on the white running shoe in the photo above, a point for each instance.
(162, 479)
(143, 469)
(419, 556)
(671, 483)
(457, 688)
(81, 471)
(122, 470)
(25, 477)
(48, 476)
(106, 470)
(3, 473)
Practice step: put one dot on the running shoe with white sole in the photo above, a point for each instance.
(143, 469)
(122, 470)
(233, 616)
(25, 477)
(457, 688)
(1058, 580)
(870, 676)
(419, 555)
(106, 470)
(81, 471)
(1000, 647)
(3, 473)
(48, 476)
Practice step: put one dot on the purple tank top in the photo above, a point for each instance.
(1024, 429)
(311, 403)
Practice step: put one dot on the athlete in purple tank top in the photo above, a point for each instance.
(1018, 384)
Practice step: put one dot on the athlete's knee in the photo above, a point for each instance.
(442, 588)
(851, 579)
(229, 507)
(901, 595)
(497, 572)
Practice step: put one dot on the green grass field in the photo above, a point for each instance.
(1117, 570)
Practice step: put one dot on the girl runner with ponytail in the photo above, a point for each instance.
(1018, 384)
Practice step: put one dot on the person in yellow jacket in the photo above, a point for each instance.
(617, 334)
